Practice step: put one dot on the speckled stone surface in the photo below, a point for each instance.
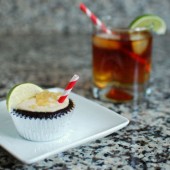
(49, 61)
(23, 16)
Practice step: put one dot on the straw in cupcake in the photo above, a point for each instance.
(68, 88)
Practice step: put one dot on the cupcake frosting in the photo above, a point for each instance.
(44, 101)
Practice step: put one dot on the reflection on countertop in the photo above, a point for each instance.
(50, 60)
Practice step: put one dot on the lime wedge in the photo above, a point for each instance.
(149, 21)
(21, 92)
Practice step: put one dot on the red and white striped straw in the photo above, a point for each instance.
(94, 19)
(68, 88)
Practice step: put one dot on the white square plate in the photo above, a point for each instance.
(91, 121)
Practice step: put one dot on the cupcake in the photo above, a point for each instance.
(37, 114)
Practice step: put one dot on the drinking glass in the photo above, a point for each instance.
(121, 63)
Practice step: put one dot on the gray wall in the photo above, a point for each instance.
(44, 16)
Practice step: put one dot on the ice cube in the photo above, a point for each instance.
(106, 41)
(140, 46)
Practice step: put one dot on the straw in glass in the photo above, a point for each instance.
(94, 19)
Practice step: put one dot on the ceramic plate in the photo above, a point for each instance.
(91, 121)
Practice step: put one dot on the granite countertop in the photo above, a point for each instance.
(49, 61)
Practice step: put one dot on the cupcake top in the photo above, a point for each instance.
(44, 101)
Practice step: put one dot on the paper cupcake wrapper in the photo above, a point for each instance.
(42, 129)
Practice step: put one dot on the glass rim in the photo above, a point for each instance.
(124, 29)
(138, 29)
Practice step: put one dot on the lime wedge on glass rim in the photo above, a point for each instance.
(21, 92)
(151, 22)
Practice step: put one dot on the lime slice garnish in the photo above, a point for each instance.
(21, 92)
(149, 21)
